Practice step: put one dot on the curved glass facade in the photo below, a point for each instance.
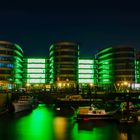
(116, 65)
(11, 65)
(64, 64)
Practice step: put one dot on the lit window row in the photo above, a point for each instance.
(85, 66)
(85, 71)
(36, 75)
(6, 65)
(105, 80)
(36, 60)
(85, 75)
(36, 65)
(36, 71)
(35, 80)
(86, 61)
(86, 80)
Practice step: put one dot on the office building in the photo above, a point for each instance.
(63, 58)
(113, 68)
(116, 66)
(11, 65)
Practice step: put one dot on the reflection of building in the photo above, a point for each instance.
(64, 64)
(11, 65)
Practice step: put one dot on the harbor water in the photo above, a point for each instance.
(43, 124)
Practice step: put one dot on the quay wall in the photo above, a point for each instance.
(3, 100)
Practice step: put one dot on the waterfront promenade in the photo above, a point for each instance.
(52, 98)
(62, 99)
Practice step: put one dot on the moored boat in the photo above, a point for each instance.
(23, 103)
(92, 112)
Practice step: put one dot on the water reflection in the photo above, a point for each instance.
(37, 125)
(129, 131)
(99, 130)
(60, 128)
(42, 124)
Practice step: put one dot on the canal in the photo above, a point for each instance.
(43, 124)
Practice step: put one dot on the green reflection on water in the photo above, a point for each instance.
(41, 124)
(60, 128)
(105, 132)
(36, 126)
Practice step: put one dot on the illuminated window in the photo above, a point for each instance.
(36, 60)
(36, 65)
(36, 70)
(35, 80)
(85, 71)
(86, 61)
(85, 66)
(85, 75)
(106, 80)
(86, 80)
(36, 75)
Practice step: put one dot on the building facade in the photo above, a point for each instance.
(87, 74)
(116, 67)
(113, 68)
(11, 66)
(63, 58)
(36, 73)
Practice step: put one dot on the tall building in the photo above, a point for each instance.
(116, 66)
(11, 65)
(64, 64)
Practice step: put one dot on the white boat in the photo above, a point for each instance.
(92, 112)
(23, 103)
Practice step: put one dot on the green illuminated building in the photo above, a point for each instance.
(137, 68)
(11, 65)
(86, 71)
(87, 74)
(137, 71)
(64, 64)
(113, 68)
(116, 67)
(36, 72)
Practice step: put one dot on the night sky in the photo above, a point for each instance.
(35, 25)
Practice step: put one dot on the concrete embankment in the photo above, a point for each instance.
(4, 99)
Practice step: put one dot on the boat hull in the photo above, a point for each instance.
(94, 117)
(18, 107)
(24, 103)
(86, 113)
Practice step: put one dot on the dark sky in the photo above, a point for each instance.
(35, 25)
